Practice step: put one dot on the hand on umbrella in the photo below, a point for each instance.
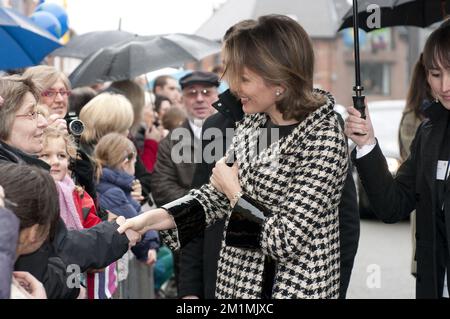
(355, 126)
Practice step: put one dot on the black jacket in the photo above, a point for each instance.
(199, 257)
(414, 187)
(95, 247)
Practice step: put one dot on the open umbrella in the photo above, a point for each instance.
(22, 42)
(421, 13)
(141, 55)
(81, 46)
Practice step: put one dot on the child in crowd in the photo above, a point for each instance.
(115, 156)
(77, 208)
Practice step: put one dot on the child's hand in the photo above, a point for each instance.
(151, 257)
(136, 193)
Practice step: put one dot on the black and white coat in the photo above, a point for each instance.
(298, 179)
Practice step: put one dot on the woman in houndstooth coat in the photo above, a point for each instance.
(280, 197)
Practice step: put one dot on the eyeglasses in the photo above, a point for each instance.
(33, 115)
(192, 93)
(54, 93)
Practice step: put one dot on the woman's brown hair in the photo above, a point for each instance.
(419, 89)
(277, 48)
(437, 48)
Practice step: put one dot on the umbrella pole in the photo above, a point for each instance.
(358, 98)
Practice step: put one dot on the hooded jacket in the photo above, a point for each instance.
(114, 194)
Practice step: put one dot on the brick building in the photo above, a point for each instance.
(384, 53)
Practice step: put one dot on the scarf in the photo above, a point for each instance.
(68, 211)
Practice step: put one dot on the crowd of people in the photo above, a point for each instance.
(183, 191)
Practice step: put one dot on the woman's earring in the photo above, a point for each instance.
(436, 100)
(278, 93)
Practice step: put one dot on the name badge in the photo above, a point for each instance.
(442, 170)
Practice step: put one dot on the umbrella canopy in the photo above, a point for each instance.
(81, 46)
(420, 13)
(318, 17)
(141, 55)
(22, 42)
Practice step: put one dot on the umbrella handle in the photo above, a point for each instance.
(358, 103)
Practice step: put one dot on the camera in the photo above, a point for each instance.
(74, 125)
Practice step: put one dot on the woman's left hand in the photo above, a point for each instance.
(226, 179)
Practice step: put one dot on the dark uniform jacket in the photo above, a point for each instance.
(415, 187)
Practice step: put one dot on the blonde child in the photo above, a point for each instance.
(115, 156)
(77, 209)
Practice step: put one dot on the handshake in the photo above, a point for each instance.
(155, 219)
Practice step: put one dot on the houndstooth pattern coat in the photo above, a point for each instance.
(299, 179)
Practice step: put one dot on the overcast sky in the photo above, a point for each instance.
(139, 16)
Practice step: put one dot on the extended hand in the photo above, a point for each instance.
(133, 236)
(156, 219)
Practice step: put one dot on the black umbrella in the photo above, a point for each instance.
(81, 46)
(142, 55)
(421, 13)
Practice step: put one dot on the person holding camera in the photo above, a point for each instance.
(55, 89)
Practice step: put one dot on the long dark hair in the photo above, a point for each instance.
(33, 192)
(419, 90)
(437, 48)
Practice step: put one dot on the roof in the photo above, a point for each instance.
(320, 18)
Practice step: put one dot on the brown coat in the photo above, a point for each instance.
(172, 178)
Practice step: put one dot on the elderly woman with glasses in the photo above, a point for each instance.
(21, 124)
(54, 87)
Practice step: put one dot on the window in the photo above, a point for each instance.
(375, 78)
